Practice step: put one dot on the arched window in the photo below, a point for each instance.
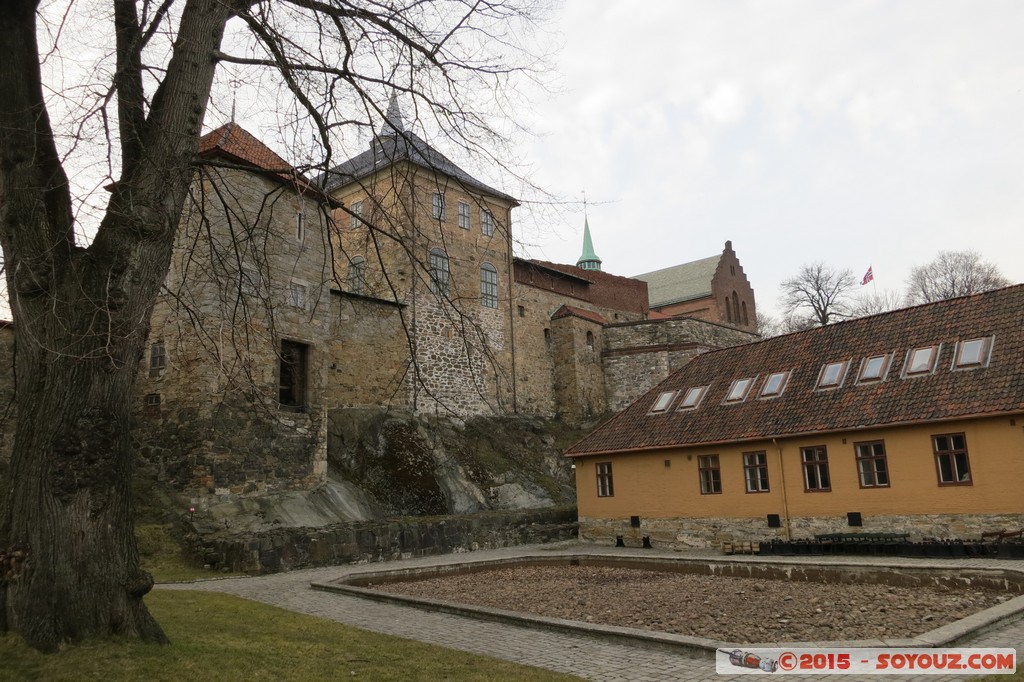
(735, 308)
(728, 310)
(439, 274)
(590, 340)
(547, 338)
(743, 306)
(488, 286)
(357, 275)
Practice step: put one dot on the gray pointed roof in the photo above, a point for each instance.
(395, 144)
(680, 282)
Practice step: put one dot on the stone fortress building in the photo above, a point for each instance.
(388, 283)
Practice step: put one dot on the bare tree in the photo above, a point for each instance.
(876, 302)
(952, 274)
(819, 294)
(69, 564)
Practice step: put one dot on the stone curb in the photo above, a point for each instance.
(946, 635)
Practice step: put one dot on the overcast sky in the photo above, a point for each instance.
(858, 133)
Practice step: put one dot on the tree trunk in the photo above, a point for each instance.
(69, 565)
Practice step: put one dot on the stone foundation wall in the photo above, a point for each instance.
(711, 532)
(363, 542)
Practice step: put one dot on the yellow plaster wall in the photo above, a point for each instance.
(644, 486)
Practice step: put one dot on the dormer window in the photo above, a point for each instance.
(663, 402)
(873, 368)
(692, 397)
(774, 385)
(739, 389)
(973, 353)
(921, 361)
(832, 374)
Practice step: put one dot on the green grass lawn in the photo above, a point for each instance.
(224, 638)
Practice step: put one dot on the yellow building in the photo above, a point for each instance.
(910, 421)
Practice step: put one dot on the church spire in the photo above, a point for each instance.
(589, 259)
(393, 119)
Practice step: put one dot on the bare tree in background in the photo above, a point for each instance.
(952, 274)
(817, 296)
(69, 565)
(875, 302)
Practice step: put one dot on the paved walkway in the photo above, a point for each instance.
(579, 655)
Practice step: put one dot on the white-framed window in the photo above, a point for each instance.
(739, 389)
(300, 227)
(973, 353)
(692, 397)
(157, 358)
(774, 385)
(663, 402)
(873, 368)
(486, 222)
(921, 361)
(463, 215)
(356, 279)
(297, 294)
(437, 202)
(832, 374)
(439, 274)
(488, 286)
(356, 218)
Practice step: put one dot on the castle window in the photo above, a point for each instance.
(152, 405)
(921, 361)
(297, 294)
(437, 200)
(292, 373)
(604, 480)
(356, 218)
(663, 402)
(487, 223)
(816, 478)
(728, 310)
(743, 306)
(739, 389)
(300, 227)
(488, 286)
(692, 397)
(590, 340)
(832, 374)
(972, 353)
(735, 308)
(522, 311)
(873, 368)
(463, 215)
(710, 475)
(157, 359)
(249, 280)
(439, 274)
(774, 385)
(872, 464)
(951, 459)
(755, 471)
(547, 338)
(356, 275)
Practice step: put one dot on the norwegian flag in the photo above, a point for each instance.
(868, 276)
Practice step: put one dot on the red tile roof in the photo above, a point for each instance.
(240, 146)
(568, 310)
(946, 394)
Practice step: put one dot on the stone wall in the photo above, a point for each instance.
(639, 355)
(366, 541)
(681, 533)
(578, 380)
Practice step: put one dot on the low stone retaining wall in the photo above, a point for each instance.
(287, 549)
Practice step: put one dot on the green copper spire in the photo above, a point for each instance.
(589, 259)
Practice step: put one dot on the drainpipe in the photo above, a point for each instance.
(785, 498)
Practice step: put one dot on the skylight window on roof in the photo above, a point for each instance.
(921, 360)
(832, 374)
(774, 385)
(692, 397)
(873, 368)
(973, 353)
(739, 389)
(663, 401)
